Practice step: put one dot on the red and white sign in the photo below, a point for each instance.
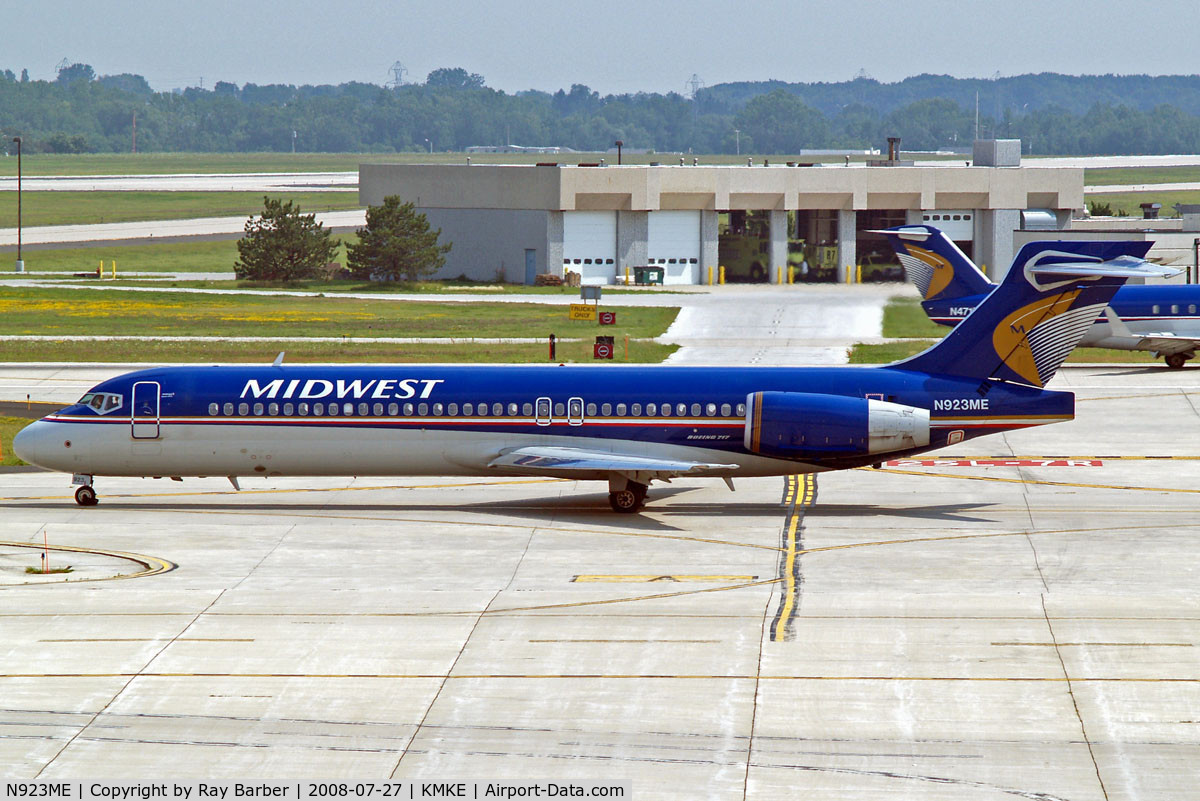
(602, 351)
(608, 318)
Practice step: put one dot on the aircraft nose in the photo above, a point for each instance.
(35, 443)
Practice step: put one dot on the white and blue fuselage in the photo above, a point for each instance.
(634, 424)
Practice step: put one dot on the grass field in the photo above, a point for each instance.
(82, 208)
(9, 426)
(904, 318)
(349, 286)
(1140, 175)
(640, 351)
(94, 312)
(1129, 202)
(181, 257)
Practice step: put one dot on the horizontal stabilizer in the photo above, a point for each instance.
(1120, 267)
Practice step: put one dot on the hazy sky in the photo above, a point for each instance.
(616, 46)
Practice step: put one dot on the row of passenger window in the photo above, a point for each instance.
(496, 409)
(1156, 309)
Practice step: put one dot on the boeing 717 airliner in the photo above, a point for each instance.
(628, 426)
(1162, 318)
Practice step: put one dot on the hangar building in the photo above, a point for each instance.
(760, 222)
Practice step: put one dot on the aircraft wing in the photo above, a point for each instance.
(583, 463)
(1168, 343)
(1163, 342)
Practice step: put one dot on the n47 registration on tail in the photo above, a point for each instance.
(628, 426)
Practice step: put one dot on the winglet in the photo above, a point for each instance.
(1118, 325)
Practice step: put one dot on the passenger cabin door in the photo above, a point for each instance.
(144, 415)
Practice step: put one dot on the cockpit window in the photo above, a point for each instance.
(102, 402)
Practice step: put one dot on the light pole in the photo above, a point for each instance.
(737, 138)
(619, 143)
(20, 262)
(430, 146)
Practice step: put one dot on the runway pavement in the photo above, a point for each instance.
(1018, 621)
(184, 182)
(151, 231)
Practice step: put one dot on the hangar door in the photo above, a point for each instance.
(673, 243)
(590, 245)
(959, 225)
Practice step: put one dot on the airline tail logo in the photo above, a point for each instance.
(929, 271)
(1036, 339)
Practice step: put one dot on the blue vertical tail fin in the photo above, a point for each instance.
(935, 264)
(1026, 328)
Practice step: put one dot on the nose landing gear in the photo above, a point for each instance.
(86, 494)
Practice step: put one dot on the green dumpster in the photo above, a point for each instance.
(647, 275)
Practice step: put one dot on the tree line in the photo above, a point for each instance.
(453, 109)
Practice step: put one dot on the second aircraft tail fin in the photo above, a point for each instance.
(1026, 328)
(931, 260)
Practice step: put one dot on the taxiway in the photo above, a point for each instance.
(1020, 620)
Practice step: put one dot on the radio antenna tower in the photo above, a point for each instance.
(398, 71)
(62, 65)
(694, 85)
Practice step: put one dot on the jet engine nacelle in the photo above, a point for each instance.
(805, 425)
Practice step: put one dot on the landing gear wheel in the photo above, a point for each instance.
(86, 496)
(1176, 360)
(629, 500)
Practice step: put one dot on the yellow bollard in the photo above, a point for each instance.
(114, 266)
(710, 275)
(100, 269)
(791, 274)
(849, 273)
(626, 275)
(721, 274)
(778, 276)
(858, 275)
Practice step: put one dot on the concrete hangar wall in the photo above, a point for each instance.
(512, 222)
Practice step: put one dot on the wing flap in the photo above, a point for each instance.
(1167, 344)
(579, 462)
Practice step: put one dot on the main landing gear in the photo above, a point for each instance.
(1176, 360)
(628, 500)
(86, 494)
